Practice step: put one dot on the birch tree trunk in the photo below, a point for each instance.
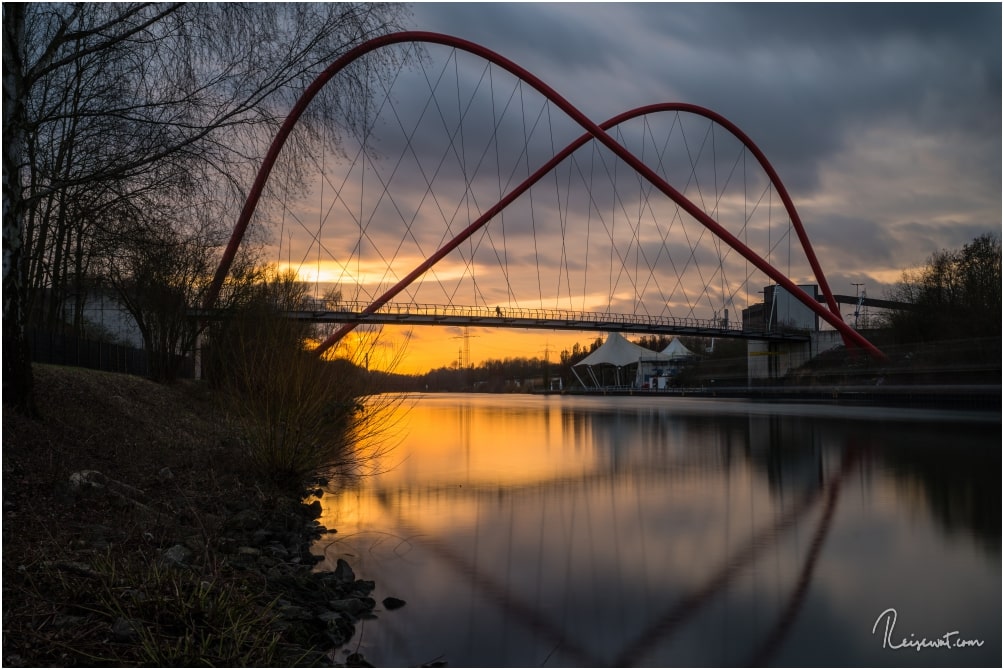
(18, 386)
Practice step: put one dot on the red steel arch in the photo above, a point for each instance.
(593, 131)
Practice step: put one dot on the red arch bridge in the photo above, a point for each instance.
(467, 191)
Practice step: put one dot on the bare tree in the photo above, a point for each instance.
(109, 107)
(955, 295)
(158, 271)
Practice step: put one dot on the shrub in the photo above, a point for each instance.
(301, 417)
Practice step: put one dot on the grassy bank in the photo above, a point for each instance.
(133, 534)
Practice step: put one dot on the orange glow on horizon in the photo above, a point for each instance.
(364, 273)
(418, 350)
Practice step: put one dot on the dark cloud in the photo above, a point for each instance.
(845, 24)
(854, 242)
(528, 34)
(800, 79)
(797, 78)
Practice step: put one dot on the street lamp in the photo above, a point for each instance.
(857, 301)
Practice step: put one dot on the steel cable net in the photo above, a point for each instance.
(450, 134)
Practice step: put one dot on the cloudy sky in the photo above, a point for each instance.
(883, 122)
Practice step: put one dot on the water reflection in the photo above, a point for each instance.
(622, 531)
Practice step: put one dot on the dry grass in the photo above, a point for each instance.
(66, 553)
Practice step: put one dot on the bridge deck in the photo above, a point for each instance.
(496, 317)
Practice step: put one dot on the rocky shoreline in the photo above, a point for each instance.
(269, 544)
(316, 610)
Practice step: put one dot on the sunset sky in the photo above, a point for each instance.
(883, 122)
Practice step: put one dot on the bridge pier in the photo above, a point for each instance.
(769, 361)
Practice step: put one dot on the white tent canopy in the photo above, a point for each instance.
(618, 352)
(652, 367)
(676, 350)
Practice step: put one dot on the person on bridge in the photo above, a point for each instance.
(498, 311)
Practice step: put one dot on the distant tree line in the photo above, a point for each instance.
(721, 359)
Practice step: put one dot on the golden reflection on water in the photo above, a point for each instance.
(511, 448)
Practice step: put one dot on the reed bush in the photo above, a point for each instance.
(302, 418)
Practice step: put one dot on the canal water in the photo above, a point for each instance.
(625, 531)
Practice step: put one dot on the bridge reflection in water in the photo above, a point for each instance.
(593, 532)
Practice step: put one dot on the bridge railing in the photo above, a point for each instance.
(515, 314)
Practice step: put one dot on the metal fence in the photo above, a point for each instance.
(60, 349)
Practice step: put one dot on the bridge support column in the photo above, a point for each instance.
(825, 340)
(766, 362)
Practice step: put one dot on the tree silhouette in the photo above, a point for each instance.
(956, 295)
(151, 112)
